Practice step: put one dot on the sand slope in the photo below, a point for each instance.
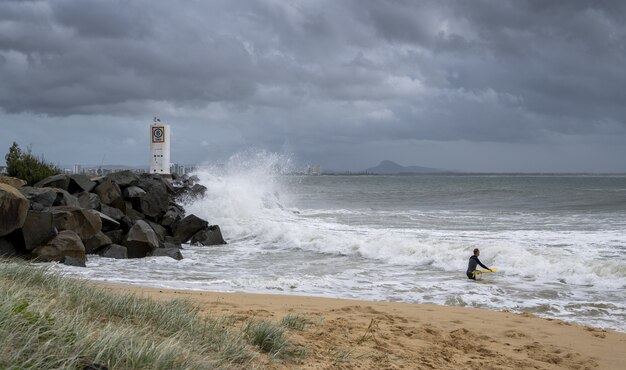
(347, 334)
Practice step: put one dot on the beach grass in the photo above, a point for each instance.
(48, 321)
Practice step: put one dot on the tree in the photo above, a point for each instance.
(26, 166)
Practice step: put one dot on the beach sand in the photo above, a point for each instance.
(350, 334)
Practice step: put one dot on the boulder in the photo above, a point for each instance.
(7, 249)
(141, 240)
(209, 236)
(110, 194)
(156, 200)
(66, 244)
(189, 226)
(13, 209)
(96, 242)
(123, 178)
(38, 229)
(71, 261)
(108, 224)
(57, 181)
(80, 183)
(64, 198)
(163, 244)
(40, 198)
(134, 216)
(172, 217)
(114, 251)
(197, 190)
(116, 236)
(89, 200)
(133, 192)
(158, 229)
(13, 181)
(82, 221)
(168, 252)
(125, 224)
(112, 212)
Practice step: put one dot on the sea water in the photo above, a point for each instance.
(559, 242)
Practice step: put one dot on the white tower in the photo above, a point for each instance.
(159, 147)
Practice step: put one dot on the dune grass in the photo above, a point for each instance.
(48, 321)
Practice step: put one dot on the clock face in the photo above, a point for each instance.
(158, 134)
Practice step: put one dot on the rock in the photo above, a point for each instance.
(13, 181)
(210, 236)
(71, 261)
(172, 217)
(13, 209)
(134, 215)
(112, 212)
(114, 251)
(116, 236)
(168, 252)
(189, 226)
(123, 178)
(65, 199)
(141, 240)
(7, 249)
(89, 200)
(66, 244)
(82, 221)
(44, 197)
(110, 194)
(126, 224)
(158, 229)
(169, 245)
(96, 242)
(80, 183)
(38, 229)
(133, 192)
(57, 181)
(108, 224)
(156, 200)
(198, 190)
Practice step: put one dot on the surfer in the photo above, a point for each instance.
(473, 261)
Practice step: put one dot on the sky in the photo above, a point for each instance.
(482, 85)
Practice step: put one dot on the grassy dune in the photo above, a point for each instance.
(48, 321)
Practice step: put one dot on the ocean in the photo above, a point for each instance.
(559, 242)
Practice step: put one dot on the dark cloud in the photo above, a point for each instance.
(320, 75)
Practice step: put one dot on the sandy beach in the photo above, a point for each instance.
(351, 334)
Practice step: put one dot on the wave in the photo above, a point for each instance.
(256, 207)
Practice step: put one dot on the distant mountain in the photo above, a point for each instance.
(392, 168)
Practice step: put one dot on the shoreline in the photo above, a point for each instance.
(346, 333)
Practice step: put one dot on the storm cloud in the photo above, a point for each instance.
(342, 83)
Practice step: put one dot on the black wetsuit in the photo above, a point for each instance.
(473, 261)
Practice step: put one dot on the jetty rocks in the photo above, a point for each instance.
(64, 218)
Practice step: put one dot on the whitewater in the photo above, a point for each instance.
(558, 241)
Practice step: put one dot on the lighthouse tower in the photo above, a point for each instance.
(159, 147)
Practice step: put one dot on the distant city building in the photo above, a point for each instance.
(3, 170)
(313, 169)
(77, 169)
(178, 169)
(159, 147)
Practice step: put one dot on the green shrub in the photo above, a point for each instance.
(26, 166)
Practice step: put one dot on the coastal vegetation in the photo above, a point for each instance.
(48, 321)
(28, 167)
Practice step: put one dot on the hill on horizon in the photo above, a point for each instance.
(388, 167)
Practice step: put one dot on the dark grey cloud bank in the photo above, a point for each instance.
(478, 85)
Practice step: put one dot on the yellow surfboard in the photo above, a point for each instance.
(475, 273)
